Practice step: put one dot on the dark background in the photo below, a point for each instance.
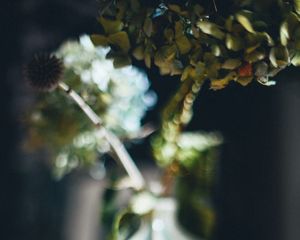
(258, 186)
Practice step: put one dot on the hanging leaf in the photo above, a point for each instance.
(169, 35)
(296, 59)
(297, 6)
(243, 17)
(229, 23)
(279, 56)
(176, 67)
(189, 71)
(284, 33)
(234, 43)
(148, 27)
(138, 52)
(174, 8)
(216, 50)
(122, 61)
(147, 59)
(244, 81)
(183, 44)
(231, 64)
(111, 26)
(261, 69)
(99, 40)
(217, 84)
(254, 56)
(211, 29)
(168, 52)
(121, 40)
(287, 28)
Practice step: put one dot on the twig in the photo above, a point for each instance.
(116, 145)
(215, 6)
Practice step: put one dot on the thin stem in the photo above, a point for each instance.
(215, 6)
(116, 145)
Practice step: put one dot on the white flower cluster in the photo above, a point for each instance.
(126, 88)
(120, 96)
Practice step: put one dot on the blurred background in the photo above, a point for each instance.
(258, 185)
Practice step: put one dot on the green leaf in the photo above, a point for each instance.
(147, 59)
(111, 26)
(211, 29)
(279, 56)
(122, 61)
(229, 23)
(297, 6)
(243, 17)
(217, 84)
(296, 59)
(99, 40)
(288, 27)
(138, 52)
(254, 56)
(121, 40)
(244, 81)
(189, 71)
(174, 8)
(183, 44)
(169, 35)
(148, 27)
(261, 69)
(169, 52)
(284, 33)
(179, 30)
(176, 68)
(231, 64)
(234, 43)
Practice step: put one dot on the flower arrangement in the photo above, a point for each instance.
(196, 41)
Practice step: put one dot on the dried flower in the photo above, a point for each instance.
(44, 72)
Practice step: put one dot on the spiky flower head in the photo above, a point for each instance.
(44, 71)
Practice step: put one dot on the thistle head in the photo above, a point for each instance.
(44, 72)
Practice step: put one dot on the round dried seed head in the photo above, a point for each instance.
(44, 72)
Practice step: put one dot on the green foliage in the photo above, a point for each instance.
(177, 36)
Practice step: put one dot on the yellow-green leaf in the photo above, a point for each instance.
(148, 27)
(233, 43)
(231, 64)
(183, 44)
(296, 59)
(147, 59)
(99, 40)
(211, 29)
(111, 26)
(243, 17)
(121, 40)
(187, 72)
(217, 84)
(279, 56)
(297, 6)
(175, 8)
(244, 81)
(284, 33)
(122, 61)
(138, 52)
(254, 56)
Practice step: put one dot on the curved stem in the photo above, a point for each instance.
(116, 145)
